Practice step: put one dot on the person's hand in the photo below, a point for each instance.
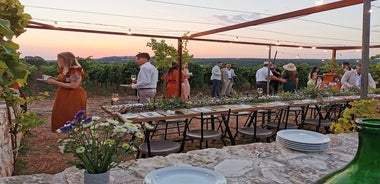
(50, 81)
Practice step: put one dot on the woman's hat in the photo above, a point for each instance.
(290, 67)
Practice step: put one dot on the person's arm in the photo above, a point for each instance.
(371, 82)
(75, 81)
(345, 78)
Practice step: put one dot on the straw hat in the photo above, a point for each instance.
(290, 67)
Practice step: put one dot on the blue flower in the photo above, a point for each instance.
(87, 120)
(79, 114)
(66, 127)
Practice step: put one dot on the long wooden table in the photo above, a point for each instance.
(161, 115)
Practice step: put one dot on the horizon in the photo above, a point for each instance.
(339, 27)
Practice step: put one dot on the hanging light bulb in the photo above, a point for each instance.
(319, 2)
(278, 43)
(313, 47)
(188, 34)
(236, 38)
(55, 24)
(370, 10)
(129, 31)
(300, 48)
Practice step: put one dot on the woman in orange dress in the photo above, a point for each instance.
(171, 79)
(70, 96)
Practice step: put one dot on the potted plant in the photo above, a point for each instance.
(333, 73)
(98, 145)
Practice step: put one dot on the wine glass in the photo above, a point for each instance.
(115, 97)
(260, 91)
(133, 77)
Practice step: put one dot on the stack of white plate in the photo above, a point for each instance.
(303, 140)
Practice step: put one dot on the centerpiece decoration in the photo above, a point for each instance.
(99, 145)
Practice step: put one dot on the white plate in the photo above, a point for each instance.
(40, 79)
(129, 115)
(303, 136)
(150, 114)
(201, 109)
(184, 175)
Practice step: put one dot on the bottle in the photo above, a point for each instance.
(365, 167)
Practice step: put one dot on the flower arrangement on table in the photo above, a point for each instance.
(99, 145)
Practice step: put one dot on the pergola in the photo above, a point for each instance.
(307, 11)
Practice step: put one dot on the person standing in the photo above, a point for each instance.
(228, 75)
(171, 79)
(289, 78)
(262, 77)
(185, 83)
(352, 79)
(277, 73)
(147, 78)
(70, 97)
(216, 77)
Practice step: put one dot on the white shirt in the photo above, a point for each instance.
(352, 78)
(216, 73)
(229, 74)
(147, 77)
(262, 73)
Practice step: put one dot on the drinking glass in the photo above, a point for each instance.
(260, 91)
(133, 77)
(115, 97)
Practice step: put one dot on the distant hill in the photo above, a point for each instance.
(238, 61)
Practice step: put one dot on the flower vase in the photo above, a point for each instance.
(99, 178)
(365, 167)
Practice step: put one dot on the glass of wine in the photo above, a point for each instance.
(133, 77)
(115, 97)
(260, 91)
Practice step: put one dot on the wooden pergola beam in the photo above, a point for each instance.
(303, 12)
(38, 25)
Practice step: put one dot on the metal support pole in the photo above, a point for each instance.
(179, 67)
(269, 56)
(365, 49)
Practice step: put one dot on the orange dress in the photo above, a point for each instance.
(172, 84)
(67, 101)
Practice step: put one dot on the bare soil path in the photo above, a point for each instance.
(40, 153)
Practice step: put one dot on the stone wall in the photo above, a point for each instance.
(6, 155)
(6, 158)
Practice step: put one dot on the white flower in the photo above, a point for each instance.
(119, 128)
(80, 149)
(89, 124)
(139, 135)
(131, 127)
(113, 122)
(148, 126)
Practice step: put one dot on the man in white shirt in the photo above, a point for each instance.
(352, 80)
(262, 77)
(228, 75)
(147, 78)
(216, 77)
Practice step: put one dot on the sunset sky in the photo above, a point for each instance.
(340, 27)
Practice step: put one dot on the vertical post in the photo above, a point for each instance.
(179, 67)
(365, 49)
(269, 56)
(333, 54)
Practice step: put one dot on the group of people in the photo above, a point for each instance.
(222, 80)
(269, 77)
(71, 97)
(351, 78)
